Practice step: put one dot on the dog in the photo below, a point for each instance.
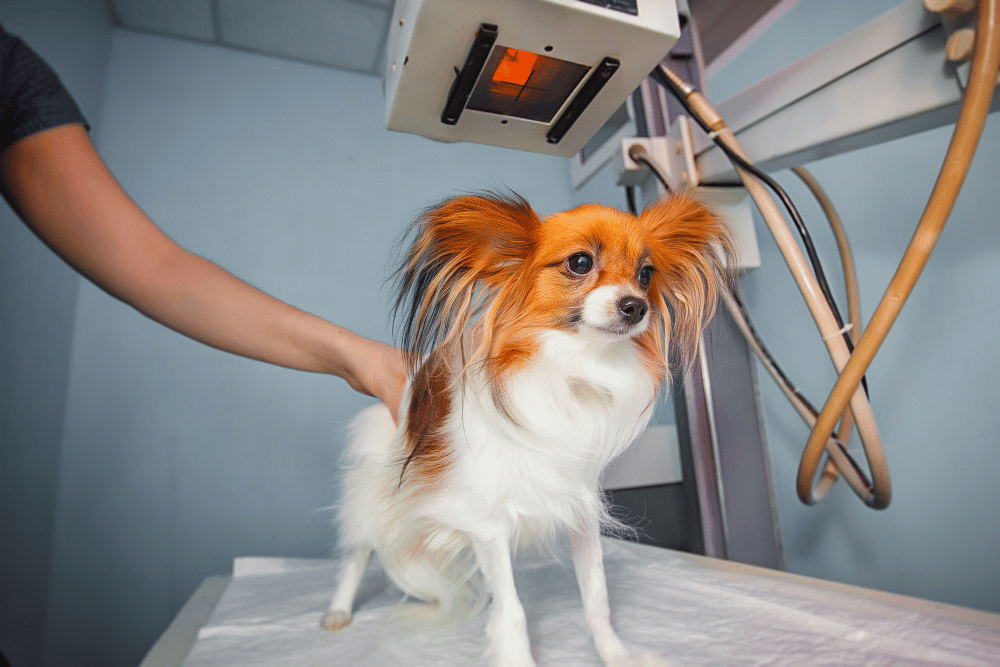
(537, 350)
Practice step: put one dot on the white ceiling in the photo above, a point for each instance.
(347, 34)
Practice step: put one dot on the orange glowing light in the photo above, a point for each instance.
(515, 67)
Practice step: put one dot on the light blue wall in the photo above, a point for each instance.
(933, 385)
(177, 457)
(38, 295)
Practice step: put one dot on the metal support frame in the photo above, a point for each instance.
(724, 451)
(887, 79)
(884, 80)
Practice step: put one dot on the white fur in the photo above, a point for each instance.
(600, 312)
(518, 477)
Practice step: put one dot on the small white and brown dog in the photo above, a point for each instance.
(538, 350)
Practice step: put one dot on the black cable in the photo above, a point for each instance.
(769, 359)
(630, 199)
(658, 75)
(663, 80)
(745, 314)
(640, 158)
(721, 184)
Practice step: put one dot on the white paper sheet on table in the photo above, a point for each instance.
(662, 601)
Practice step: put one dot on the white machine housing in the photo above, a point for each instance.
(430, 41)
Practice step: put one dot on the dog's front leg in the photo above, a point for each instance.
(588, 559)
(507, 627)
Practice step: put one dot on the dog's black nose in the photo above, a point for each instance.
(632, 309)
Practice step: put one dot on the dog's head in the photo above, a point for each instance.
(592, 271)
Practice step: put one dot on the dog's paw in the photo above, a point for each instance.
(639, 660)
(335, 620)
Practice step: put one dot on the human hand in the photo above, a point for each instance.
(376, 369)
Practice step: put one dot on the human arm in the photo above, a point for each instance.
(59, 185)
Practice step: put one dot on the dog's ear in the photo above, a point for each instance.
(690, 247)
(464, 250)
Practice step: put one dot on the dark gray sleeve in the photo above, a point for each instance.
(32, 98)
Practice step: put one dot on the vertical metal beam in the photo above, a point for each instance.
(749, 508)
(724, 453)
(700, 486)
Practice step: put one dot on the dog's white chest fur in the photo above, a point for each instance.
(534, 464)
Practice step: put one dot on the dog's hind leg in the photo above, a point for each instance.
(352, 570)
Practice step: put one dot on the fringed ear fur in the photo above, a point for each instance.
(465, 249)
(691, 249)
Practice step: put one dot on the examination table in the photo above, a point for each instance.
(690, 609)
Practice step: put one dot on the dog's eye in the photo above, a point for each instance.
(645, 276)
(581, 263)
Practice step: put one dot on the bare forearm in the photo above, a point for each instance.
(197, 298)
(201, 300)
(62, 189)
